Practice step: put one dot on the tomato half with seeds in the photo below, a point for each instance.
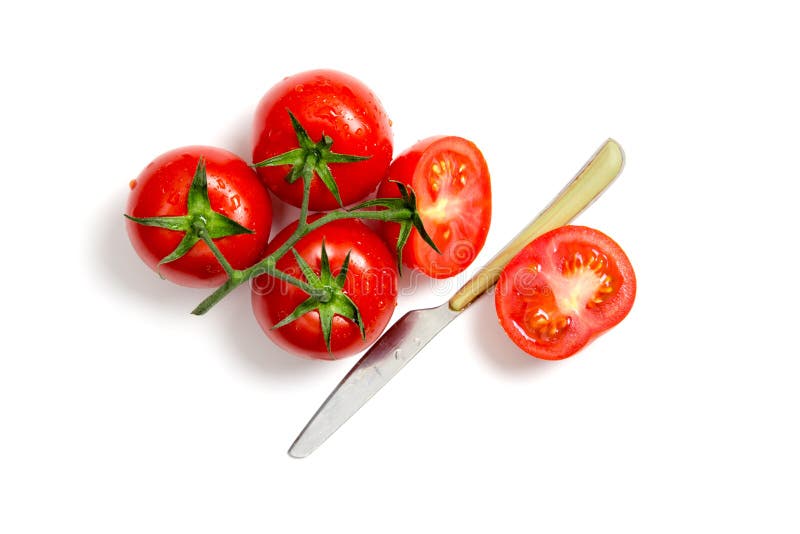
(563, 290)
(234, 190)
(454, 197)
(325, 103)
(370, 283)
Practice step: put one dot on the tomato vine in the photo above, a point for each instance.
(309, 161)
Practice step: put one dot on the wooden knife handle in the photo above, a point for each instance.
(588, 184)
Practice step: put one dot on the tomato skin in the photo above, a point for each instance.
(563, 290)
(331, 103)
(234, 190)
(371, 284)
(460, 230)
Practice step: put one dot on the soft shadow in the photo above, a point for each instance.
(283, 214)
(119, 265)
(236, 137)
(411, 282)
(490, 339)
(432, 291)
(252, 346)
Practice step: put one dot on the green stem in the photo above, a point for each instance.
(237, 278)
(304, 205)
(277, 273)
(267, 265)
(220, 293)
(203, 234)
(379, 215)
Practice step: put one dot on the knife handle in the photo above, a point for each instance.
(588, 184)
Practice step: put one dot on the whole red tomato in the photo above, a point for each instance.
(234, 190)
(454, 198)
(325, 103)
(563, 290)
(370, 284)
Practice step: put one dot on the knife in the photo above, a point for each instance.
(414, 330)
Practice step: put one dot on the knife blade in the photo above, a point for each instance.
(400, 343)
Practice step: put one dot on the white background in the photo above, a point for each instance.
(120, 412)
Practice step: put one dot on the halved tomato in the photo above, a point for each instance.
(563, 290)
(454, 197)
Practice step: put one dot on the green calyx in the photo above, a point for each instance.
(310, 158)
(201, 222)
(326, 295)
(404, 211)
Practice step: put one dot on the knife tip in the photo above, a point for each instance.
(294, 454)
(297, 451)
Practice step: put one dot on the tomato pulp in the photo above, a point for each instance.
(563, 290)
(451, 180)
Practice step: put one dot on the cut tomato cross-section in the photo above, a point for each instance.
(451, 181)
(563, 290)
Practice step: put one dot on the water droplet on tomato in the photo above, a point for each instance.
(298, 88)
(390, 123)
(236, 201)
(326, 113)
(132, 184)
(397, 353)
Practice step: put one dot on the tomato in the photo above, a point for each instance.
(234, 190)
(563, 290)
(330, 103)
(454, 198)
(370, 283)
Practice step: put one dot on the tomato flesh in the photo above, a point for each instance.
(563, 290)
(451, 180)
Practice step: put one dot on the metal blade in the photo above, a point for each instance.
(391, 352)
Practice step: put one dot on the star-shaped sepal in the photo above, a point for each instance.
(327, 296)
(310, 158)
(201, 222)
(405, 212)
